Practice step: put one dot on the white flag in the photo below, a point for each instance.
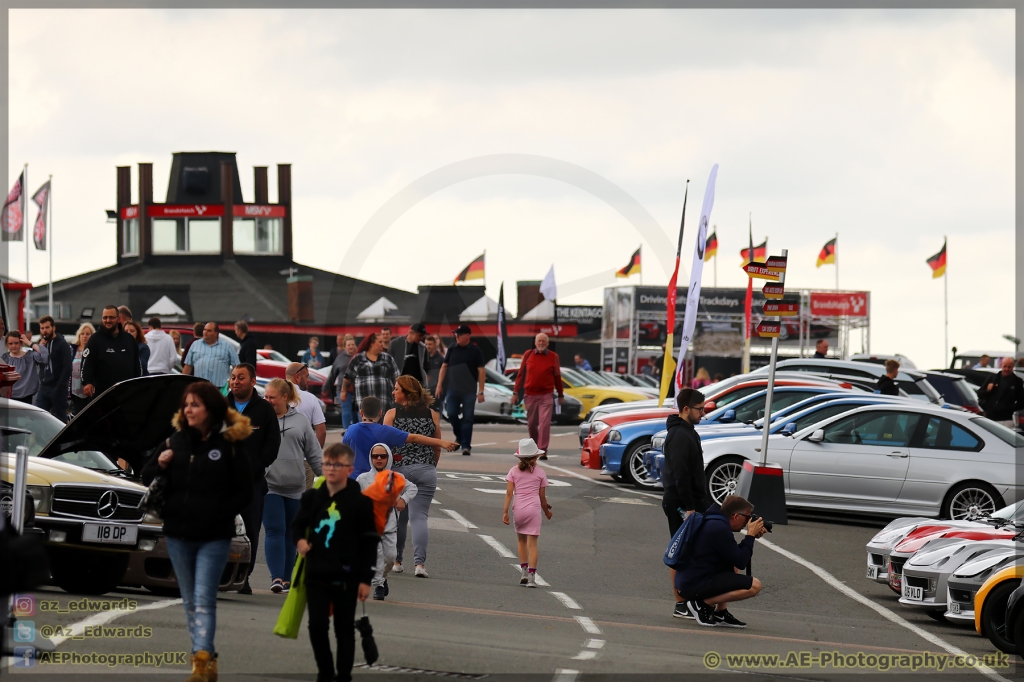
(547, 288)
(693, 295)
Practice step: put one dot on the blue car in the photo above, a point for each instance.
(623, 454)
(788, 420)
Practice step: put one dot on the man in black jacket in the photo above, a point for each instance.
(336, 522)
(261, 449)
(683, 471)
(53, 386)
(109, 357)
(246, 344)
(711, 578)
(887, 384)
(1002, 395)
(410, 353)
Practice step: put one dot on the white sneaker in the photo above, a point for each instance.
(524, 578)
(421, 572)
(531, 579)
(397, 568)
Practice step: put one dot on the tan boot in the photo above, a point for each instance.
(200, 667)
(211, 670)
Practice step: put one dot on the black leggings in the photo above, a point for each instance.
(318, 601)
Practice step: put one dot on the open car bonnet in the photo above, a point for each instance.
(128, 420)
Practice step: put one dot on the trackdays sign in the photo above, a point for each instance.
(839, 304)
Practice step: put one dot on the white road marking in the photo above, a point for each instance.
(514, 441)
(435, 523)
(491, 490)
(555, 483)
(498, 547)
(585, 656)
(565, 675)
(569, 472)
(595, 643)
(566, 600)
(588, 625)
(879, 609)
(480, 445)
(620, 500)
(105, 617)
(434, 501)
(536, 576)
(460, 518)
(559, 435)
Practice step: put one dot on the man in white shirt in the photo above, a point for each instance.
(309, 405)
(163, 356)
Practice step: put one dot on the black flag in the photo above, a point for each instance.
(501, 359)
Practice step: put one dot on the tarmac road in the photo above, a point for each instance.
(606, 609)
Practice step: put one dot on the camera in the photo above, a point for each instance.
(767, 524)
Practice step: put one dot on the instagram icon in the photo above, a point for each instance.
(24, 605)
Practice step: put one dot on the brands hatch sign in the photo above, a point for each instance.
(206, 211)
(840, 304)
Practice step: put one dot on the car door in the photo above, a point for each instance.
(944, 453)
(864, 457)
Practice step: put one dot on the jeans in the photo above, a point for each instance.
(454, 403)
(253, 518)
(198, 567)
(346, 410)
(319, 599)
(278, 513)
(54, 400)
(416, 512)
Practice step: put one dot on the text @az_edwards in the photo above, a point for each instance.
(855, 661)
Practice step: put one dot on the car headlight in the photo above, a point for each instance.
(657, 443)
(152, 518)
(239, 525)
(42, 495)
(598, 427)
(614, 436)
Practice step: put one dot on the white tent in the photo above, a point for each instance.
(381, 310)
(545, 311)
(166, 309)
(484, 309)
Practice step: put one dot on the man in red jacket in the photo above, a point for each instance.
(538, 379)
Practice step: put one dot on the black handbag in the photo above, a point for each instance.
(156, 495)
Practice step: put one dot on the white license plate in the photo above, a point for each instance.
(873, 572)
(954, 608)
(913, 593)
(110, 533)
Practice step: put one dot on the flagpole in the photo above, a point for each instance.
(641, 252)
(716, 257)
(945, 297)
(24, 235)
(49, 234)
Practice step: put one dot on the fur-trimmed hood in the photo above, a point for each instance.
(235, 428)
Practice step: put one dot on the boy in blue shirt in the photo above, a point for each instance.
(363, 436)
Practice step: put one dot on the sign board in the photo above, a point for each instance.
(839, 304)
(129, 212)
(774, 291)
(781, 309)
(769, 329)
(185, 210)
(258, 211)
(760, 271)
(776, 264)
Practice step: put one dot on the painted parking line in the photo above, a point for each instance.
(620, 500)
(595, 643)
(585, 655)
(460, 518)
(501, 549)
(567, 601)
(565, 675)
(588, 625)
(491, 490)
(536, 576)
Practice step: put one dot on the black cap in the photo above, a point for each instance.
(463, 329)
(419, 328)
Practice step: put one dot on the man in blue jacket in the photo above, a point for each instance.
(712, 578)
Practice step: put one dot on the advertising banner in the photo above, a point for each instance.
(839, 304)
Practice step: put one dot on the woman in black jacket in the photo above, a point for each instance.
(209, 481)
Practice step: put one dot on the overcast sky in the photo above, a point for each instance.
(890, 128)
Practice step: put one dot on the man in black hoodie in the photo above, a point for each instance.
(109, 357)
(683, 471)
(338, 542)
(260, 447)
(53, 386)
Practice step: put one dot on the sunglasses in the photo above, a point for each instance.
(378, 456)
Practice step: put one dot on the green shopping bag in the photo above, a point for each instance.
(290, 618)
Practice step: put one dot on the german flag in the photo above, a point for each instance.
(711, 246)
(828, 253)
(633, 268)
(474, 270)
(938, 262)
(760, 253)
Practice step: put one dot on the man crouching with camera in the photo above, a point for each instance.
(712, 578)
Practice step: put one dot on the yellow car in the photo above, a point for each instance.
(588, 392)
(990, 604)
(86, 507)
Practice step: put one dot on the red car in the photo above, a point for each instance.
(590, 455)
(921, 536)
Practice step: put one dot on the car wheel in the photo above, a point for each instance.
(722, 477)
(993, 616)
(971, 499)
(610, 401)
(633, 469)
(1018, 633)
(85, 572)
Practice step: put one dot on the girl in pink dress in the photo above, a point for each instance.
(527, 482)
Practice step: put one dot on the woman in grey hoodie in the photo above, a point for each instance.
(286, 481)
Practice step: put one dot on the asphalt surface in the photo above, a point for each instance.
(607, 608)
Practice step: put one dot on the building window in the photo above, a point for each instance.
(61, 311)
(257, 235)
(130, 238)
(186, 235)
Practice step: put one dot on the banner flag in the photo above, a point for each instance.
(41, 198)
(11, 222)
(633, 268)
(474, 270)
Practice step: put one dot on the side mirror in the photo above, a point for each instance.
(817, 436)
(709, 406)
(790, 428)
(729, 416)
